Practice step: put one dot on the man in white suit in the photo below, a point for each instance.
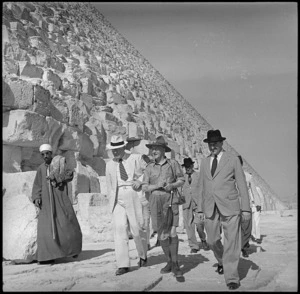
(122, 173)
(256, 206)
(132, 147)
(222, 182)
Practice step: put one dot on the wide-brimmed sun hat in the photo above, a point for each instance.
(160, 141)
(214, 136)
(116, 142)
(133, 139)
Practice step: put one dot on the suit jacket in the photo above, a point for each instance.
(191, 191)
(224, 188)
(134, 169)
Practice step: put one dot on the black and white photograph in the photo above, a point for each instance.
(149, 146)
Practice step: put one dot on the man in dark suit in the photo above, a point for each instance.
(224, 202)
(190, 190)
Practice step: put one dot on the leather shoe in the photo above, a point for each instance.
(122, 271)
(167, 269)
(232, 286)
(143, 262)
(245, 253)
(176, 270)
(194, 250)
(247, 245)
(220, 269)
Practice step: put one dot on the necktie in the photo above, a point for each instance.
(123, 172)
(190, 178)
(214, 165)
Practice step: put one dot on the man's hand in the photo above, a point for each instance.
(160, 185)
(169, 187)
(38, 203)
(136, 185)
(246, 215)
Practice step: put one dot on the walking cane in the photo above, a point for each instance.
(51, 205)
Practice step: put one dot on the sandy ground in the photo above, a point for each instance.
(272, 266)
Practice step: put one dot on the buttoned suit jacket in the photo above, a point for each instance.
(134, 172)
(191, 191)
(224, 188)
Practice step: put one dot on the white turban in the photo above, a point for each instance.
(45, 147)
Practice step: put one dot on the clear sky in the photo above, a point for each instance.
(236, 63)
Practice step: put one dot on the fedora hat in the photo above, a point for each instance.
(116, 142)
(187, 162)
(213, 136)
(160, 141)
(133, 139)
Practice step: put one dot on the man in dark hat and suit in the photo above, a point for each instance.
(160, 178)
(190, 190)
(224, 202)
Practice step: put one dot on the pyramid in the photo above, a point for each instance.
(72, 80)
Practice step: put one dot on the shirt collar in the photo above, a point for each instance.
(125, 156)
(219, 155)
(165, 160)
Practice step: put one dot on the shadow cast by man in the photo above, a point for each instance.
(186, 263)
(254, 249)
(244, 266)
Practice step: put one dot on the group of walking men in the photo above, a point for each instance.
(216, 202)
(217, 198)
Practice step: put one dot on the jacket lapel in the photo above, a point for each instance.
(222, 162)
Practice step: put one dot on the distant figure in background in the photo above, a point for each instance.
(222, 183)
(160, 179)
(246, 226)
(190, 190)
(122, 180)
(258, 200)
(58, 231)
(130, 148)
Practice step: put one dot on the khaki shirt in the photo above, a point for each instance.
(155, 173)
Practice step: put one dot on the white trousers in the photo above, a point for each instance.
(121, 216)
(255, 224)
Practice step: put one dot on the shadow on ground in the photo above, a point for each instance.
(186, 263)
(244, 266)
(84, 255)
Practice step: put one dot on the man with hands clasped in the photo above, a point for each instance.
(222, 183)
(122, 179)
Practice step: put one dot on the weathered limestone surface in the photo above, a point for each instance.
(71, 80)
(19, 217)
(90, 206)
